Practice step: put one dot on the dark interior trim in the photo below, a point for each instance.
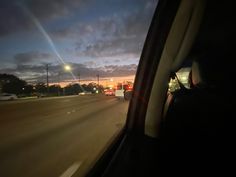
(152, 51)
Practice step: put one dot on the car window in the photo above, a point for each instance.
(63, 64)
(181, 77)
(163, 128)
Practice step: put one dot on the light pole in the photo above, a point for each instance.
(112, 83)
(67, 67)
(58, 88)
(98, 78)
(79, 77)
(98, 82)
(47, 78)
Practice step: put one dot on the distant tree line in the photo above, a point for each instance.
(12, 84)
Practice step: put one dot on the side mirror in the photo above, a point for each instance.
(128, 95)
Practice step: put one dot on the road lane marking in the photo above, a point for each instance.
(72, 111)
(111, 100)
(66, 100)
(71, 170)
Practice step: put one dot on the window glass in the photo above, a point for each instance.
(63, 66)
(182, 76)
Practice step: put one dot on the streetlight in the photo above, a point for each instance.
(67, 67)
(79, 77)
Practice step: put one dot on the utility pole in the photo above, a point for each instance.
(98, 79)
(58, 88)
(98, 83)
(47, 78)
(79, 77)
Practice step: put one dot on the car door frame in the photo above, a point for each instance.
(154, 44)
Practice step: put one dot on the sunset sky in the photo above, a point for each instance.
(102, 37)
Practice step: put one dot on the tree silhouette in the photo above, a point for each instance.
(11, 84)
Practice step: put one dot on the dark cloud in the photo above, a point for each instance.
(37, 73)
(52, 9)
(111, 35)
(14, 19)
(117, 61)
(79, 31)
(134, 23)
(114, 47)
(90, 64)
(32, 57)
(106, 71)
(30, 73)
(123, 70)
(137, 22)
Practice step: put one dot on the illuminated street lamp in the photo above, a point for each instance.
(67, 67)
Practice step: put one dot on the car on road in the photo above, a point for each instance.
(7, 96)
(85, 93)
(121, 89)
(109, 92)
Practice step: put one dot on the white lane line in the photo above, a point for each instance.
(111, 100)
(66, 100)
(71, 170)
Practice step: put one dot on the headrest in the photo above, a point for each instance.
(213, 69)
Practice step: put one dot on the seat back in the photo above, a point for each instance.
(199, 127)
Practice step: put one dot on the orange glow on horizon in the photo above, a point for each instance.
(105, 82)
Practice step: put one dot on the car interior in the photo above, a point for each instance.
(191, 131)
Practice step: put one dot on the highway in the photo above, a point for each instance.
(57, 137)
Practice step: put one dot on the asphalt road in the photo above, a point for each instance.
(57, 137)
